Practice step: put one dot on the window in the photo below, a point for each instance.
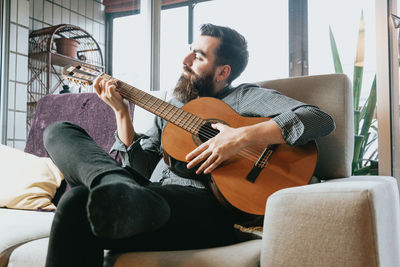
(264, 24)
(173, 45)
(130, 51)
(181, 20)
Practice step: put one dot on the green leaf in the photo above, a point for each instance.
(357, 82)
(357, 119)
(335, 53)
(371, 106)
(362, 171)
(358, 140)
(363, 145)
(363, 109)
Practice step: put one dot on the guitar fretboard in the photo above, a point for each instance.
(170, 113)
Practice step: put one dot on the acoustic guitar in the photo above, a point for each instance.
(244, 181)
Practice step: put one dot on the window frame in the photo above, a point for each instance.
(298, 26)
(4, 52)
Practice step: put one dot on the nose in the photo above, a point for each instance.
(188, 59)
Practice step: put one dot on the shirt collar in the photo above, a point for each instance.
(224, 92)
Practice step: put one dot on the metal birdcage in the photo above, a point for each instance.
(52, 48)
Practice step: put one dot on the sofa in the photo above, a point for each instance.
(340, 221)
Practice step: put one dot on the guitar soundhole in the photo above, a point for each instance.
(207, 132)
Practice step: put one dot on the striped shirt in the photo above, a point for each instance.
(298, 121)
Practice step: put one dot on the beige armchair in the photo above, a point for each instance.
(344, 221)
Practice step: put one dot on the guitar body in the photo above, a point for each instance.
(288, 166)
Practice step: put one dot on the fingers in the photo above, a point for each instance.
(196, 156)
(96, 85)
(210, 164)
(209, 158)
(105, 87)
(218, 126)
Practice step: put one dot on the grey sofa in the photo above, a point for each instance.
(344, 221)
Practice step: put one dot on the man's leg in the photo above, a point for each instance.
(71, 240)
(117, 206)
(77, 156)
(197, 221)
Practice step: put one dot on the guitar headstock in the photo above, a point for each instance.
(82, 75)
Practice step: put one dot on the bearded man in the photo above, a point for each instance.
(142, 205)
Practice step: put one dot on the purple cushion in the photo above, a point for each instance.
(86, 110)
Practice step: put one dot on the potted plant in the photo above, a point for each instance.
(67, 46)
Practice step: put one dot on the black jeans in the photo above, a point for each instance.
(197, 220)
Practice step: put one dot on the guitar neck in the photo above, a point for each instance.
(166, 111)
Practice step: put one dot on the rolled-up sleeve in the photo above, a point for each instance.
(304, 124)
(145, 151)
(299, 122)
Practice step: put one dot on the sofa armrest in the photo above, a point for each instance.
(343, 222)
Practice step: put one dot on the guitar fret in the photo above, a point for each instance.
(175, 115)
(196, 123)
(147, 100)
(184, 120)
(169, 113)
(152, 104)
(157, 107)
(188, 121)
(180, 118)
(191, 122)
(175, 110)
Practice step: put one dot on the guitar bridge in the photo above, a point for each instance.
(261, 163)
(253, 174)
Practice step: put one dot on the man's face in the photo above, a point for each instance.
(198, 74)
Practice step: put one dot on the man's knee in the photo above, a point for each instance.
(53, 131)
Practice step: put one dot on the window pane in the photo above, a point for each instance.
(130, 56)
(174, 45)
(344, 19)
(265, 26)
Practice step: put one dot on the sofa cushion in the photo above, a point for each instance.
(18, 227)
(32, 253)
(27, 181)
(86, 110)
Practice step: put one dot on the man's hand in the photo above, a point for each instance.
(228, 142)
(105, 89)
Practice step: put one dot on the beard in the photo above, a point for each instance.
(193, 86)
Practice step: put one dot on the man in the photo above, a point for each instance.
(116, 207)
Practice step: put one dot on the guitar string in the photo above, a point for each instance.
(249, 153)
(209, 133)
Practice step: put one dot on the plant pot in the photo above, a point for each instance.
(67, 46)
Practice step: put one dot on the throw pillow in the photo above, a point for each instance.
(27, 181)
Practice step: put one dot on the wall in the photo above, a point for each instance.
(28, 15)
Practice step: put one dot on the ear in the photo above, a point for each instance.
(222, 73)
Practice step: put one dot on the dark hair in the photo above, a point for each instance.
(232, 50)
